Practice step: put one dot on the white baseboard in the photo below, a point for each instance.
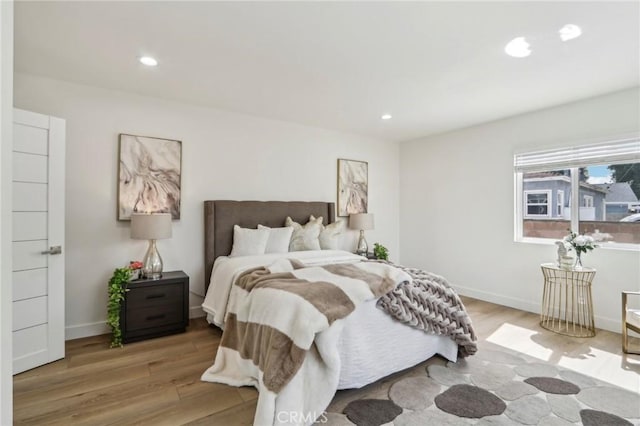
(609, 324)
(96, 328)
(526, 305)
(86, 330)
(196, 312)
(512, 302)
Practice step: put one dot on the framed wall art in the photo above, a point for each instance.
(353, 186)
(149, 176)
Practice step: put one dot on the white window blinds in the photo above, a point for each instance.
(619, 151)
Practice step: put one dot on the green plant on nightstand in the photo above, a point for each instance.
(117, 288)
(380, 252)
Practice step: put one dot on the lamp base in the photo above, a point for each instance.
(363, 247)
(152, 263)
(153, 276)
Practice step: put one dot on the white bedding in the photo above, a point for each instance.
(372, 345)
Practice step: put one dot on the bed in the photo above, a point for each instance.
(371, 344)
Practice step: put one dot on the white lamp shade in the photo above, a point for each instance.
(362, 221)
(155, 226)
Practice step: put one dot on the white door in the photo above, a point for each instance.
(38, 239)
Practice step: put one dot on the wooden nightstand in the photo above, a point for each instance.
(153, 308)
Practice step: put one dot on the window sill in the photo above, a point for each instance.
(605, 246)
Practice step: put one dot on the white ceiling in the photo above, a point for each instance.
(435, 66)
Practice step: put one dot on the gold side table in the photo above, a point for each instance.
(567, 306)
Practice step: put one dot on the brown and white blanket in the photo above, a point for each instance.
(281, 333)
(282, 329)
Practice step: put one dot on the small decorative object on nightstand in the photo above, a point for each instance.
(562, 252)
(136, 269)
(566, 262)
(153, 308)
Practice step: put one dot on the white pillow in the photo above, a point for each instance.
(330, 234)
(248, 242)
(279, 239)
(305, 237)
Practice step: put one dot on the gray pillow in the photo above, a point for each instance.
(330, 234)
(305, 237)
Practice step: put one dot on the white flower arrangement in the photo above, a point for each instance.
(580, 243)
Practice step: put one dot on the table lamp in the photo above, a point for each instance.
(362, 222)
(152, 227)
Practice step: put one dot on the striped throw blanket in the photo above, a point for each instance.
(281, 333)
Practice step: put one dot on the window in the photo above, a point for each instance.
(537, 203)
(560, 203)
(587, 189)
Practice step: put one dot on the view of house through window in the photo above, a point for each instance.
(608, 202)
(609, 212)
(541, 192)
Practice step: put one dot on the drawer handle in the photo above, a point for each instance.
(155, 296)
(155, 317)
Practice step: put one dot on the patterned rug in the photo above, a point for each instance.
(494, 387)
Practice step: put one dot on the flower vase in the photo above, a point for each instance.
(578, 265)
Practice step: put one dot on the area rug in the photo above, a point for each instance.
(494, 387)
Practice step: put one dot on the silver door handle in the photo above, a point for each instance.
(53, 250)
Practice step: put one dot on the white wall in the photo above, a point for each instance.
(6, 139)
(457, 205)
(224, 156)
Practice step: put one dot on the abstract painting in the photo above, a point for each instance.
(149, 176)
(353, 187)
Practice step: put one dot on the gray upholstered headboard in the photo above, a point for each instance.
(221, 215)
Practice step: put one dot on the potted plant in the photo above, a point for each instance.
(117, 288)
(380, 252)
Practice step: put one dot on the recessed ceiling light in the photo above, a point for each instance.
(518, 48)
(386, 117)
(569, 32)
(148, 61)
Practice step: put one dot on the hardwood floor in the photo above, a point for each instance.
(157, 382)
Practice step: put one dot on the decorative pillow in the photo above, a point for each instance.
(330, 234)
(279, 239)
(305, 237)
(248, 242)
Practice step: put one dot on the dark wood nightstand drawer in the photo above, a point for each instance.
(153, 296)
(154, 308)
(153, 316)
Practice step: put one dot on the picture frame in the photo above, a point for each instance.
(353, 187)
(149, 175)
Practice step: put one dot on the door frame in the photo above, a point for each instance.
(6, 137)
